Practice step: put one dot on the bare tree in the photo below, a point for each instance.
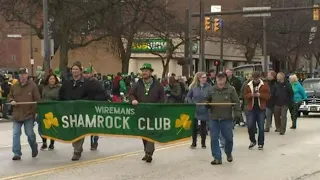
(288, 34)
(136, 16)
(167, 26)
(73, 24)
(246, 34)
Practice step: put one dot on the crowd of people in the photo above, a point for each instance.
(259, 99)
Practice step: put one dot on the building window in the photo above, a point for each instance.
(234, 64)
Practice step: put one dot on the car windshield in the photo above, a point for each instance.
(311, 85)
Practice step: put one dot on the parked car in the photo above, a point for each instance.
(312, 104)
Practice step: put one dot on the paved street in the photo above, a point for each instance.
(295, 156)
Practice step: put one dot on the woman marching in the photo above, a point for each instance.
(50, 93)
(198, 90)
(299, 95)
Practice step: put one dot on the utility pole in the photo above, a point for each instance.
(265, 62)
(186, 43)
(221, 46)
(202, 38)
(190, 57)
(30, 41)
(46, 41)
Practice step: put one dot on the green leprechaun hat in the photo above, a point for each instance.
(146, 66)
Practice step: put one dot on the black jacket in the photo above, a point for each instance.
(236, 83)
(270, 102)
(282, 94)
(82, 89)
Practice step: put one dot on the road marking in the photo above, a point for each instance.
(86, 163)
(9, 146)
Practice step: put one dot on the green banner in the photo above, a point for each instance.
(70, 121)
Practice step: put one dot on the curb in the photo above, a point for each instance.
(5, 120)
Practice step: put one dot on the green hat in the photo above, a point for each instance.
(56, 71)
(88, 70)
(146, 66)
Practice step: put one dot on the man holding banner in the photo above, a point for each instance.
(147, 90)
(25, 91)
(77, 88)
(87, 73)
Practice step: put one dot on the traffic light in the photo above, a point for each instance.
(217, 24)
(316, 13)
(217, 62)
(207, 23)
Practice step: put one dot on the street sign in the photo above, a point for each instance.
(216, 8)
(312, 34)
(255, 9)
(195, 47)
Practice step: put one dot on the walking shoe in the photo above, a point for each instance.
(94, 146)
(293, 127)
(148, 159)
(193, 146)
(229, 158)
(76, 156)
(44, 146)
(203, 146)
(266, 130)
(144, 158)
(35, 152)
(281, 133)
(252, 144)
(16, 158)
(216, 162)
(260, 147)
(51, 147)
(277, 130)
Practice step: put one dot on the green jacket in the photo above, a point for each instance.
(227, 94)
(50, 93)
(123, 87)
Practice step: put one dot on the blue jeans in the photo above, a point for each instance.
(222, 140)
(225, 127)
(254, 117)
(28, 129)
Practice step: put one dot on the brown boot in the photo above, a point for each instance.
(76, 156)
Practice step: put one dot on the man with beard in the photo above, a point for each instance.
(147, 90)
